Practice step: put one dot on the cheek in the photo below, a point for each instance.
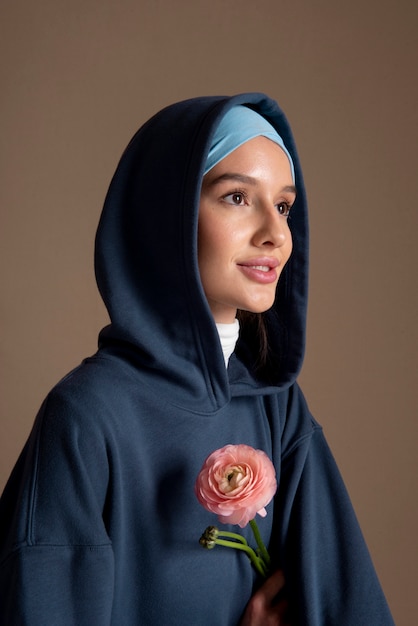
(209, 246)
(206, 243)
(216, 239)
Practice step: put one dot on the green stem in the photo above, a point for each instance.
(236, 536)
(263, 550)
(256, 561)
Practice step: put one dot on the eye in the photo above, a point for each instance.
(237, 197)
(284, 208)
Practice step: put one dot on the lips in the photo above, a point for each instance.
(264, 263)
(261, 270)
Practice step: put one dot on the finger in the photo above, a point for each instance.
(257, 614)
(272, 588)
(281, 612)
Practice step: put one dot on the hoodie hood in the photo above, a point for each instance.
(147, 269)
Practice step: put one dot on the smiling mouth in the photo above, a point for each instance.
(263, 274)
(262, 268)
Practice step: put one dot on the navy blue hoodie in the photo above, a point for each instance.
(99, 521)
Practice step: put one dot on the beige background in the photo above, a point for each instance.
(78, 78)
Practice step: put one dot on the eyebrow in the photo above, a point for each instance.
(243, 178)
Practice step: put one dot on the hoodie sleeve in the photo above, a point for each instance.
(330, 575)
(56, 560)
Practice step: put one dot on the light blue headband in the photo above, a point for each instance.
(240, 124)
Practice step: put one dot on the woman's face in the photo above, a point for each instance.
(244, 239)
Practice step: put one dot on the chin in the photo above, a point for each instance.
(260, 308)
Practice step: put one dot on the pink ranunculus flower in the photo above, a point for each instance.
(236, 482)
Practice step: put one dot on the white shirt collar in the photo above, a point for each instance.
(228, 335)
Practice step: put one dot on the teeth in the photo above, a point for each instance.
(263, 268)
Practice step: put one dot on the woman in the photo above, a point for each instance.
(100, 524)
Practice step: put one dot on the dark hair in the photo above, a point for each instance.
(255, 324)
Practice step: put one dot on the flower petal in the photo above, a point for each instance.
(236, 482)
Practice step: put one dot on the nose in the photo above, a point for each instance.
(272, 229)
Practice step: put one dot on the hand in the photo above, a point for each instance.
(268, 606)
